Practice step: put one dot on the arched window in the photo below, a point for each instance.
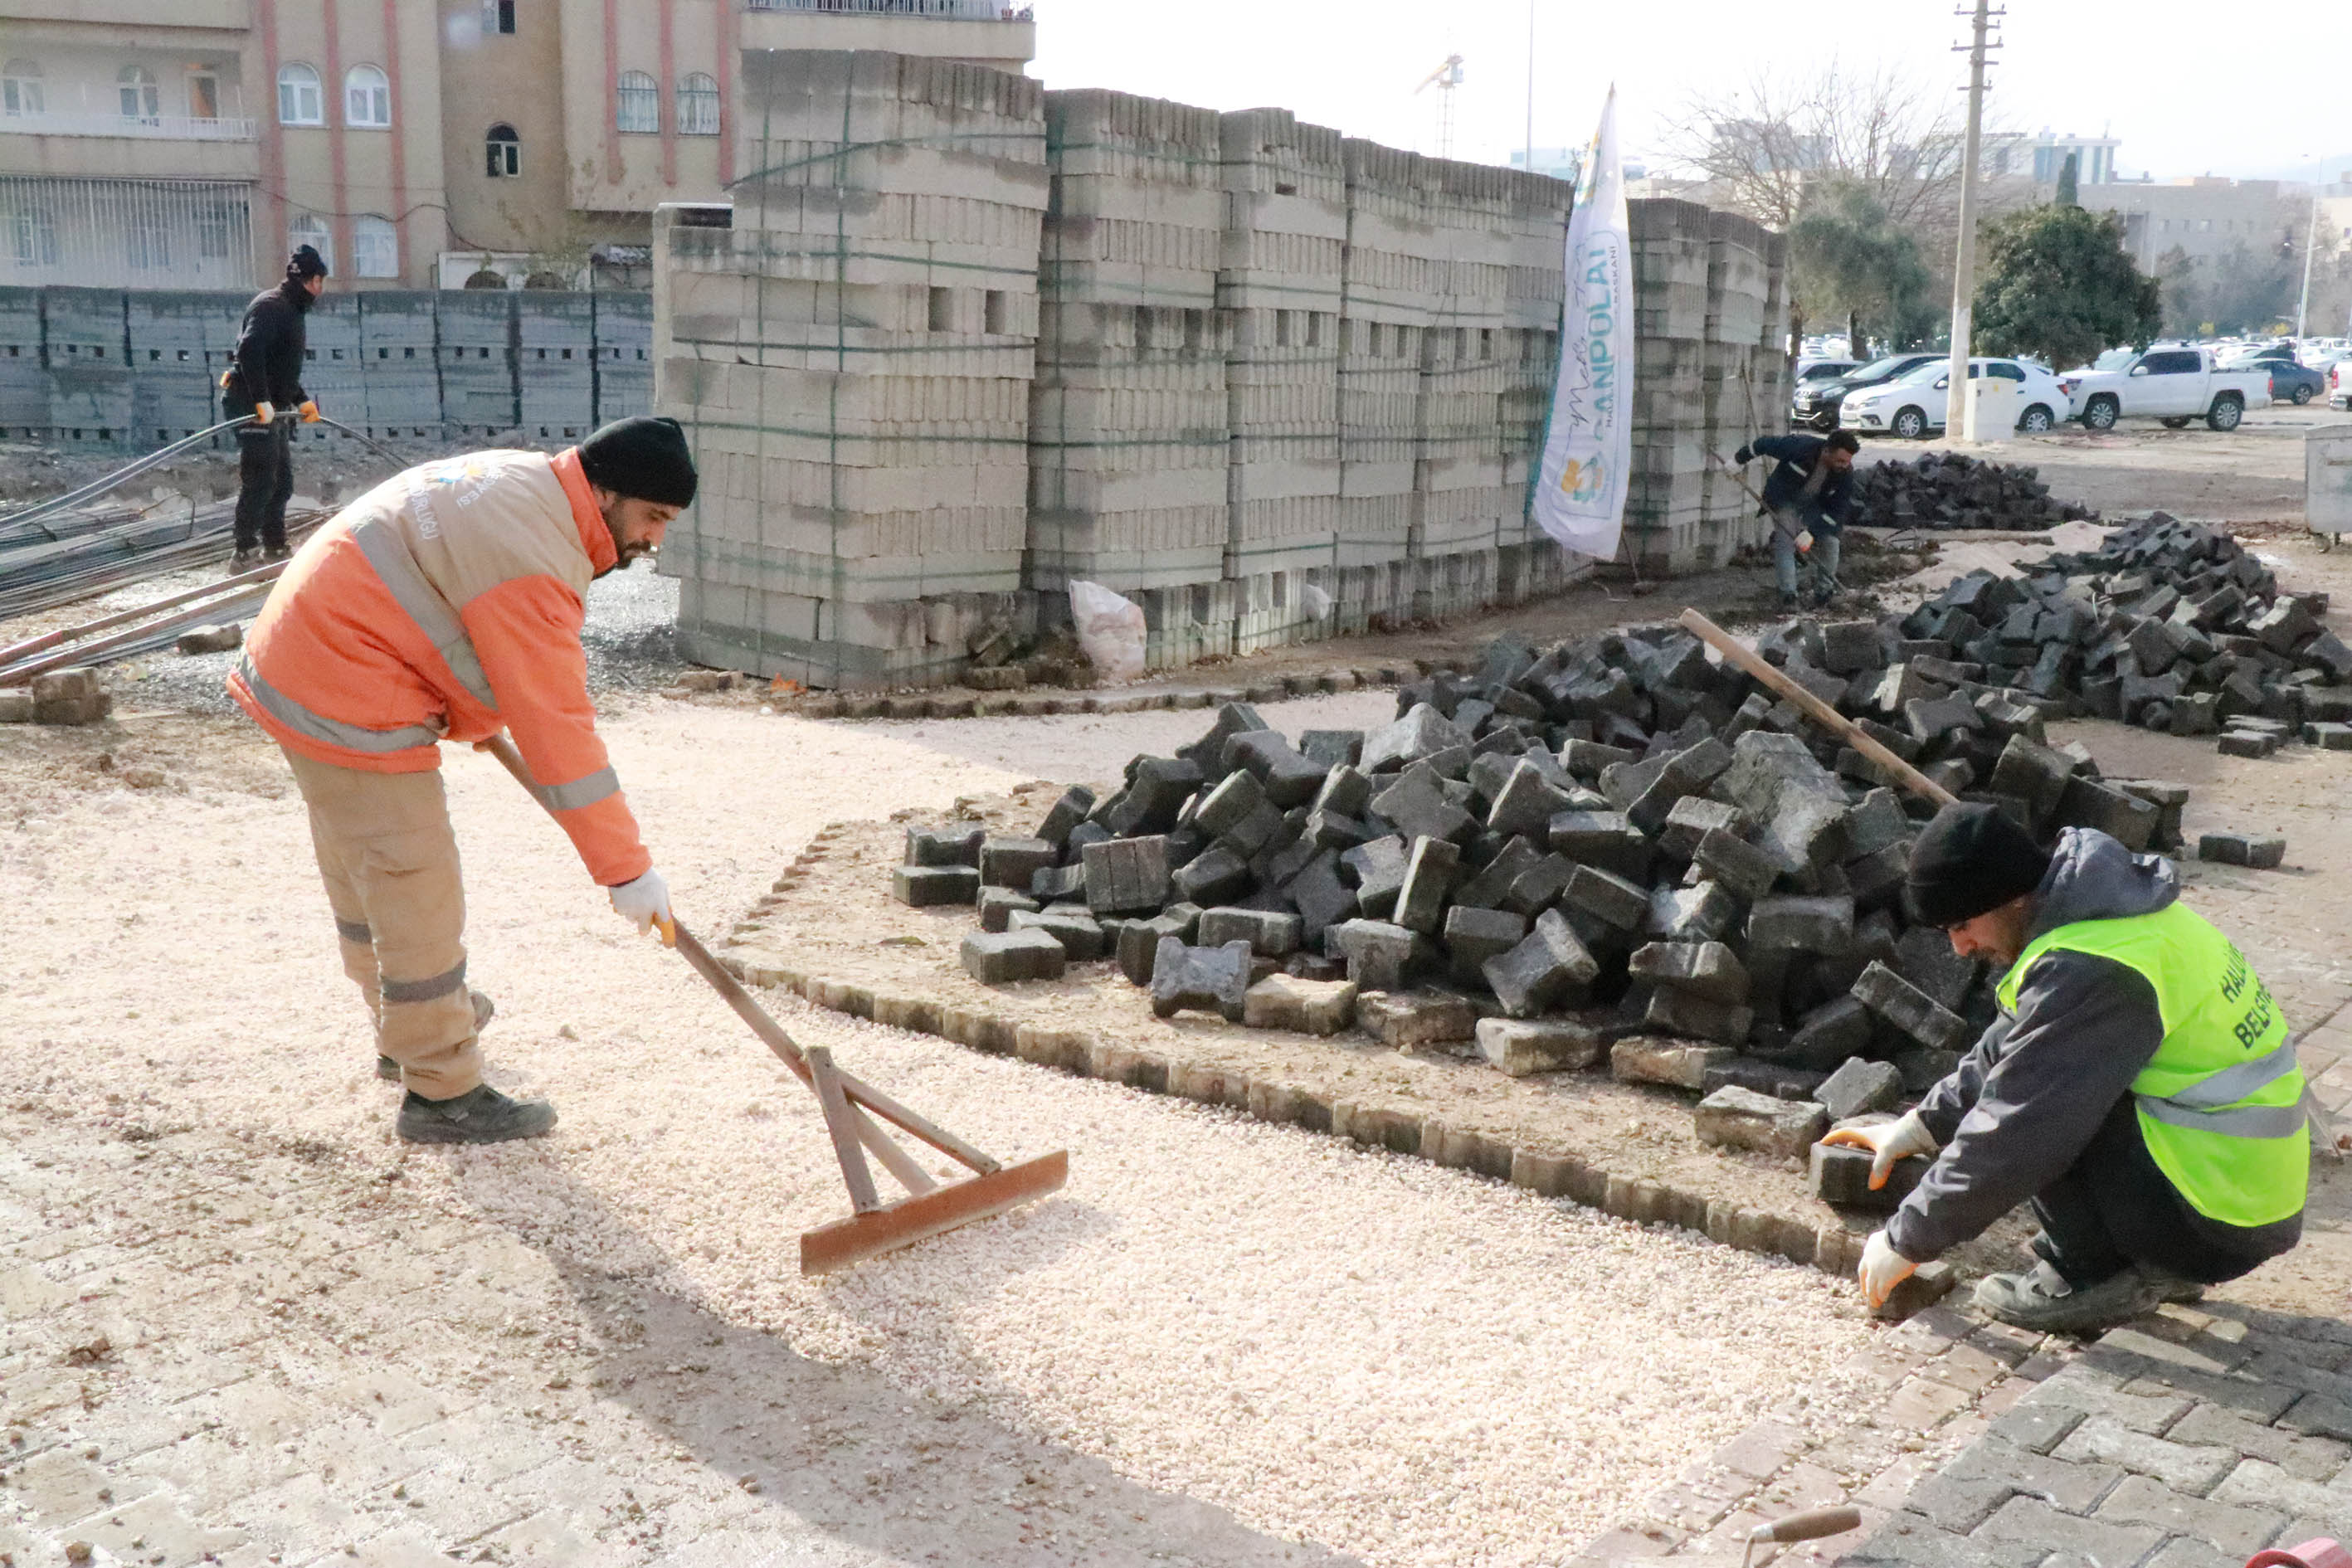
(302, 229)
(298, 96)
(505, 149)
(697, 105)
(637, 106)
(375, 246)
(20, 87)
(367, 96)
(140, 98)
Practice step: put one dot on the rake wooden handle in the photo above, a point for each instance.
(1845, 729)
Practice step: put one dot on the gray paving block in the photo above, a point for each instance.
(1546, 969)
(1270, 933)
(995, 958)
(1126, 876)
(924, 885)
(1909, 1009)
(1206, 979)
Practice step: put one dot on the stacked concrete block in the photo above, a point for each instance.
(1745, 369)
(398, 372)
(1389, 300)
(1529, 563)
(87, 355)
(624, 355)
(332, 371)
(179, 342)
(1126, 416)
(853, 356)
(24, 385)
(1665, 506)
(1280, 277)
(555, 337)
(475, 333)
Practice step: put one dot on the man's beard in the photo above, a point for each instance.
(624, 556)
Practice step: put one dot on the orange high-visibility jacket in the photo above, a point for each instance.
(445, 604)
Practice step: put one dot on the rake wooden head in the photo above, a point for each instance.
(851, 1106)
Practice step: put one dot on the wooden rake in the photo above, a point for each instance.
(850, 1106)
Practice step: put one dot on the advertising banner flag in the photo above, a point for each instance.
(1588, 457)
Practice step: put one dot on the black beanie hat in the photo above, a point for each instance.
(642, 456)
(306, 262)
(1970, 859)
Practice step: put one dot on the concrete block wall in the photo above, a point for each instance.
(179, 343)
(1128, 412)
(961, 343)
(853, 356)
(23, 380)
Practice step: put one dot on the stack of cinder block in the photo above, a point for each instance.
(88, 361)
(1666, 505)
(476, 329)
(1458, 497)
(1745, 369)
(555, 336)
(331, 371)
(23, 388)
(1529, 562)
(625, 369)
(1127, 414)
(397, 347)
(853, 356)
(181, 339)
(1390, 295)
(1280, 280)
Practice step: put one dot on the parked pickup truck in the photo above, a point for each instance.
(2174, 384)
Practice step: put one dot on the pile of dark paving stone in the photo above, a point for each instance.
(1952, 490)
(1620, 847)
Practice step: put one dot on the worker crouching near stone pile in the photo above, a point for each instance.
(446, 605)
(2138, 1088)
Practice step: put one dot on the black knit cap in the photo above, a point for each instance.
(1970, 859)
(642, 456)
(305, 263)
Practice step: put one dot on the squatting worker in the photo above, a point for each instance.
(1809, 489)
(2139, 1088)
(266, 381)
(446, 605)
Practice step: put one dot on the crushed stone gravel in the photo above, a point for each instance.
(1339, 1346)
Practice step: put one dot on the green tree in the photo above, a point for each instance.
(2059, 285)
(2068, 192)
(1853, 257)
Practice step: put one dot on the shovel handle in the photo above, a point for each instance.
(1810, 1525)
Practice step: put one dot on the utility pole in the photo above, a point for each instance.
(2310, 243)
(1964, 271)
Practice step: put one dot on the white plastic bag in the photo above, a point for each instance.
(1109, 628)
(1314, 601)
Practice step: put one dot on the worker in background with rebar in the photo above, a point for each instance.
(265, 381)
(1808, 496)
(446, 605)
(2138, 1089)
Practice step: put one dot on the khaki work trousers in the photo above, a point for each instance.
(390, 862)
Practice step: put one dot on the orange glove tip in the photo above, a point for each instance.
(669, 932)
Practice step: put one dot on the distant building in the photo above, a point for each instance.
(190, 143)
(1560, 163)
(2204, 217)
(2041, 156)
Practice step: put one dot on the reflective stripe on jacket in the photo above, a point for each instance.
(2220, 1102)
(446, 604)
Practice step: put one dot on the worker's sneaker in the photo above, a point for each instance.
(480, 1115)
(274, 553)
(484, 1011)
(1788, 602)
(243, 561)
(2041, 1299)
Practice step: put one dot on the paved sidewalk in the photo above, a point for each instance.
(217, 1352)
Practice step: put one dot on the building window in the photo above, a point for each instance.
(367, 96)
(204, 94)
(505, 149)
(303, 229)
(30, 235)
(697, 105)
(20, 87)
(214, 226)
(375, 246)
(298, 97)
(637, 106)
(141, 99)
(149, 242)
(498, 15)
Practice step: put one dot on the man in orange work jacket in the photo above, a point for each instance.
(446, 605)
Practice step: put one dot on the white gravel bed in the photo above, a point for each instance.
(1339, 1346)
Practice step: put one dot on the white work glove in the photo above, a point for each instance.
(1887, 1143)
(647, 901)
(263, 412)
(1883, 1269)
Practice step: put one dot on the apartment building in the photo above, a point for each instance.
(416, 144)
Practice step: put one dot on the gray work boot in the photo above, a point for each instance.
(2041, 1299)
(484, 1011)
(480, 1115)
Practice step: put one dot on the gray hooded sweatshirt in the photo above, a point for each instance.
(2029, 1097)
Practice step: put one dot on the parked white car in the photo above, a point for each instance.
(2174, 384)
(1919, 403)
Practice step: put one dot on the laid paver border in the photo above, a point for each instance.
(1829, 1246)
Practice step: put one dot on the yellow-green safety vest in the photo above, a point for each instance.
(2221, 1103)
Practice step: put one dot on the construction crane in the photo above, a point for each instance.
(1445, 78)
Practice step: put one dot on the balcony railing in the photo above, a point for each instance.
(950, 10)
(159, 127)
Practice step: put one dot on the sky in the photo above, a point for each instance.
(2065, 65)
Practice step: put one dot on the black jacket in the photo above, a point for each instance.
(269, 346)
(1827, 512)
